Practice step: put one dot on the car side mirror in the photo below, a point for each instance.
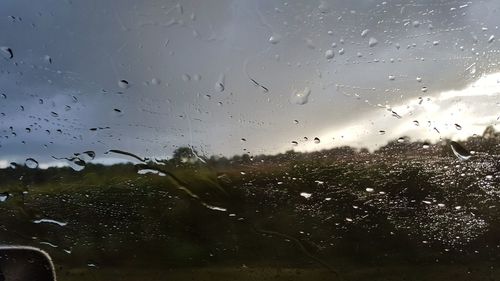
(19, 263)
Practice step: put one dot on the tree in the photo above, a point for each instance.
(184, 154)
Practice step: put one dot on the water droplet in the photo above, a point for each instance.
(150, 171)
(7, 52)
(186, 77)
(419, 79)
(458, 127)
(424, 89)
(460, 151)
(392, 77)
(364, 32)
(401, 139)
(369, 189)
(329, 54)
(90, 154)
(301, 97)
(123, 84)
(76, 164)
(243, 139)
(294, 143)
(31, 163)
(274, 39)
(317, 140)
(372, 42)
(4, 196)
(491, 39)
(395, 114)
(324, 7)
(51, 222)
(425, 145)
(47, 59)
(435, 43)
(306, 195)
(296, 122)
(416, 123)
(489, 177)
(219, 85)
(54, 114)
(155, 81)
(381, 132)
(341, 51)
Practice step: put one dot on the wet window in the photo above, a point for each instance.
(252, 140)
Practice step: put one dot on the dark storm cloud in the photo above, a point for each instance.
(176, 55)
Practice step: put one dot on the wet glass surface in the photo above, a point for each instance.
(252, 140)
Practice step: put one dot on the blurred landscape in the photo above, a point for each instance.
(408, 211)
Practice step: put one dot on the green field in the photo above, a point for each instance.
(397, 214)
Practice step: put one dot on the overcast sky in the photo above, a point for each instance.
(340, 68)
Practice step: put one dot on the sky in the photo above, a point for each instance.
(232, 76)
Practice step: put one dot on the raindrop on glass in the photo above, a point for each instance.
(306, 195)
(274, 39)
(301, 97)
(329, 54)
(123, 84)
(219, 85)
(460, 151)
(31, 163)
(7, 52)
(47, 59)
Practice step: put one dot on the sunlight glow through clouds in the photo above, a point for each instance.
(472, 108)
